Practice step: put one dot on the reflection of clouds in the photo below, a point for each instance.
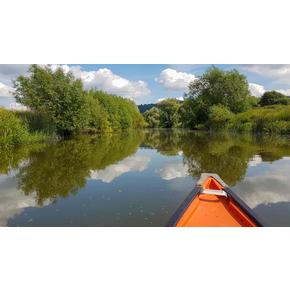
(12, 202)
(255, 160)
(271, 186)
(172, 170)
(134, 163)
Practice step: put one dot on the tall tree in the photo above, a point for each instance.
(169, 113)
(228, 88)
(56, 93)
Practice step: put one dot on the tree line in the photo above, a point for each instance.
(59, 105)
(213, 102)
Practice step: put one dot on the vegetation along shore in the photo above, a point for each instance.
(59, 106)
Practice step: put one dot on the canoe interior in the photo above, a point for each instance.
(214, 211)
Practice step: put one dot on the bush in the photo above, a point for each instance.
(274, 98)
(218, 116)
(12, 130)
(270, 119)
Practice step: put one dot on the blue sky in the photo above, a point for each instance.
(145, 83)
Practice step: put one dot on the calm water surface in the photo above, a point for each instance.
(138, 178)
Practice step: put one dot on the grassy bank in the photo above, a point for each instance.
(14, 131)
(270, 119)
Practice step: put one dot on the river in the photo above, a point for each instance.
(139, 178)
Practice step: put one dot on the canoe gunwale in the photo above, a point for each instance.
(198, 189)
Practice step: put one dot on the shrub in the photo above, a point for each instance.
(218, 116)
(12, 130)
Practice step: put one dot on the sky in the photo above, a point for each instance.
(149, 83)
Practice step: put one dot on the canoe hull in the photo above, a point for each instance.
(221, 207)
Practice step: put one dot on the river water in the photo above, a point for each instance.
(139, 178)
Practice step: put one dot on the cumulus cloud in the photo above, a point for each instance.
(279, 73)
(177, 98)
(256, 90)
(105, 79)
(172, 170)
(5, 91)
(174, 80)
(133, 163)
(284, 91)
(9, 72)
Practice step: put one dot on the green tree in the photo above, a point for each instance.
(169, 113)
(273, 98)
(56, 93)
(215, 86)
(152, 117)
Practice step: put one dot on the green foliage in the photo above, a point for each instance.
(169, 113)
(270, 119)
(228, 88)
(55, 93)
(218, 116)
(115, 112)
(36, 122)
(274, 98)
(12, 130)
(98, 117)
(152, 117)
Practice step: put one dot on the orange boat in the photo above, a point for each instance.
(213, 204)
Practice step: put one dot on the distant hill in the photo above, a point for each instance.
(145, 107)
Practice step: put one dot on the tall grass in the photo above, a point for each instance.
(271, 119)
(13, 131)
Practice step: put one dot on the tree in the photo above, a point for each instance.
(152, 117)
(215, 86)
(274, 98)
(169, 113)
(56, 93)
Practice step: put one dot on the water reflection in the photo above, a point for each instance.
(138, 178)
(64, 167)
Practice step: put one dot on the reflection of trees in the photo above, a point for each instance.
(224, 154)
(167, 142)
(10, 157)
(63, 167)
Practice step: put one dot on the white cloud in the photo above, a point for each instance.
(105, 79)
(9, 72)
(133, 163)
(177, 98)
(5, 91)
(172, 170)
(284, 91)
(17, 107)
(174, 80)
(256, 90)
(279, 73)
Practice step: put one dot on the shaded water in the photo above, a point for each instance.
(138, 178)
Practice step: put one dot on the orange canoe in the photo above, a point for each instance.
(213, 204)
